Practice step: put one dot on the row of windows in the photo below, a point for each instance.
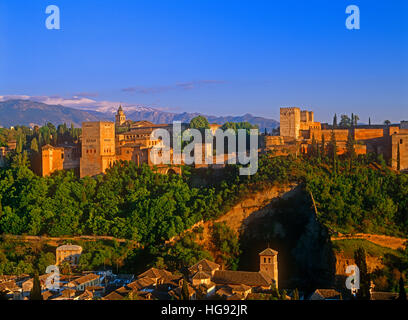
(269, 260)
(138, 136)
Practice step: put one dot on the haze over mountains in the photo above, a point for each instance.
(30, 113)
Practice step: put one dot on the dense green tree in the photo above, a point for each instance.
(345, 121)
(199, 122)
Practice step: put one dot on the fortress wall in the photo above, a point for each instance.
(367, 134)
(340, 134)
(274, 141)
(72, 156)
(401, 141)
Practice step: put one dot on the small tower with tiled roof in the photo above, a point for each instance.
(269, 264)
(120, 117)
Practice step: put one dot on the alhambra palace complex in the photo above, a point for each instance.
(103, 143)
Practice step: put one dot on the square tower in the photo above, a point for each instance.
(120, 117)
(98, 147)
(290, 122)
(268, 264)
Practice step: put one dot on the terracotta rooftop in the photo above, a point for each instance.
(206, 265)
(177, 292)
(268, 252)
(87, 295)
(141, 283)
(252, 279)
(9, 285)
(154, 273)
(85, 279)
(240, 287)
(113, 296)
(201, 275)
(328, 293)
(384, 296)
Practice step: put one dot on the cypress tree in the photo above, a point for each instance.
(323, 150)
(351, 153)
(314, 147)
(35, 293)
(335, 120)
(19, 147)
(369, 121)
(333, 151)
(356, 118)
(365, 283)
(398, 158)
(296, 294)
(402, 292)
(34, 145)
(184, 291)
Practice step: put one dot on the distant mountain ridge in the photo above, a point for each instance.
(29, 113)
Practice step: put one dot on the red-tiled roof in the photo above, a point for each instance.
(201, 275)
(206, 265)
(154, 273)
(252, 279)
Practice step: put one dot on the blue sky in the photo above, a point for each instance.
(221, 57)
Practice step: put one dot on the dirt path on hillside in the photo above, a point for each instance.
(384, 241)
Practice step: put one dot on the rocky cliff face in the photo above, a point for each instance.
(288, 225)
(256, 206)
(281, 217)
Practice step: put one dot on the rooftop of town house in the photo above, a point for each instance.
(328, 293)
(142, 283)
(85, 279)
(204, 265)
(154, 273)
(113, 296)
(201, 275)
(242, 277)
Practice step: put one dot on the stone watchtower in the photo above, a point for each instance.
(290, 122)
(120, 117)
(269, 264)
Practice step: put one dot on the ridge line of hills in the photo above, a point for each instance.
(30, 113)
